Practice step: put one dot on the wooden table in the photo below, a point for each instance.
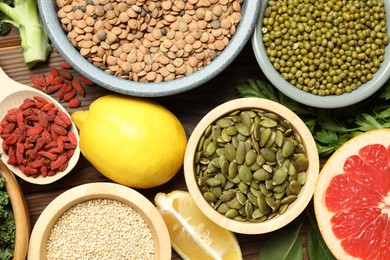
(189, 107)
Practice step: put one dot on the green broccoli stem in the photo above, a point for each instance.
(35, 44)
(34, 39)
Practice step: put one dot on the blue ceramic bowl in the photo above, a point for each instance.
(48, 13)
(331, 101)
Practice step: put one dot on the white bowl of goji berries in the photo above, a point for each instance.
(100, 221)
(149, 48)
(39, 142)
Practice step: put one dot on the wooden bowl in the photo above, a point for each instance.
(19, 207)
(101, 190)
(306, 192)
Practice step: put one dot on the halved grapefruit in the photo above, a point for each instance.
(352, 198)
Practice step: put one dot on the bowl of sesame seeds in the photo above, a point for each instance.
(149, 48)
(100, 221)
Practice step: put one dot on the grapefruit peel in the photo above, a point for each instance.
(354, 186)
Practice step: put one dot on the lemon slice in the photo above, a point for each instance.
(193, 235)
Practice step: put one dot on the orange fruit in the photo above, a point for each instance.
(352, 198)
(193, 235)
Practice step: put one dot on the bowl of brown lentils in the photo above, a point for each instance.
(149, 48)
(251, 165)
(100, 220)
(325, 54)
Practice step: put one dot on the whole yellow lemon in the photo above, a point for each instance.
(132, 141)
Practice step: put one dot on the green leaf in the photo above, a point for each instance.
(283, 244)
(367, 123)
(316, 247)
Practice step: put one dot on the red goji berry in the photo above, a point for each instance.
(60, 161)
(65, 74)
(65, 65)
(70, 94)
(86, 81)
(72, 138)
(54, 72)
(78, 87)
(74, 102)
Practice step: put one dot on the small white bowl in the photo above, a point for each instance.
(331, 101)
(101, 190)
(305, 194)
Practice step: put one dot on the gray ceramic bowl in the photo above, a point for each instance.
(333, 101)
(48, 12)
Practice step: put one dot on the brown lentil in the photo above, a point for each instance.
(100, 229)
(172, 29)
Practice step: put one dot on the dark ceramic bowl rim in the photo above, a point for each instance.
(249, 11)
(332, 101)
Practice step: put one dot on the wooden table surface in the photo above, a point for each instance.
(189, 107)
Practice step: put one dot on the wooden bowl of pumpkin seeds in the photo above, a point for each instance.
(251, 165)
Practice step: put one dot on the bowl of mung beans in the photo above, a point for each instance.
(251, 165)
(100, 220)
(325, 54)
(149, 48)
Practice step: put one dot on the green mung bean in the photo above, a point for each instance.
(347, 36)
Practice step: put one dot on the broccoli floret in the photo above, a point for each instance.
(23, 14)
(5, 28)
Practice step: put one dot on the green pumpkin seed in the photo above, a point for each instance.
(255, 192)
(289, 199)
(224, 122)
(301, 178)
(268, 154)
(230, 152)
(272, 116)
(301, 163)
(231, 130)
(225, 136)
(295, 187)
(272, 215)
(240, 153)
(232, 213)
(269, 185)
(210, 197)
(223, 208)
(242, 212)
(215, 133)
(243, 129)
(280, 176)
(245, 118)
(224, 164)
(232, 170)
(264, 208)
(260, 160)
(252, 198)
(271, 140)
(254, 185)
(264, 136)
(220, 151)
(250, 157)
(283, 208)
(229, 185)
(288, 149)
(261, 175)
(215, 162)
(256, 214)
(267, 122)
(241, 198)
(280, 188)
(217, 191)
(243, 187)
(222, 178)
(233, 203)
(227, 195)
(255, 131)
(248, 208)
(213, 182)
(266, 192)
(245, 174)
(270, 202)
(279, 138)
(278, 196)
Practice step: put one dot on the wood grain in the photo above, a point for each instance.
(189, 107)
